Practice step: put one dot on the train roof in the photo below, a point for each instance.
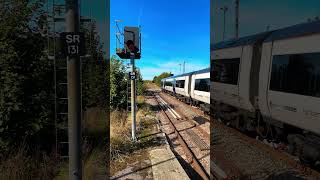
(189, 73)
(287, 32)
(293, 31)
(241, 41)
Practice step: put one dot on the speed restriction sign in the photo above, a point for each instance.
(72, 44)
(132, 75)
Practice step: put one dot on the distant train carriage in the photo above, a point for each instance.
(168, 84)
(270, 83)
(192, 88)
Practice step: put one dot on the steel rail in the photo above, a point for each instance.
(194, 161)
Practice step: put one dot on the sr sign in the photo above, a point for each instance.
(73, 44)
(132, 75)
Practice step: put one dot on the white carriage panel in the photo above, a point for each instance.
(202, 75)
(297, 45)
(297, 110)
(226, 93)
(183, 91)
(227, 53)
(180, 91)
(169, 88)
(200, 95)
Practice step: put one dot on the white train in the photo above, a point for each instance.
(269, 84)
(192, 88)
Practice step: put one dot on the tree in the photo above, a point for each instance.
(26, 80)
(118, 83)
(119, 78)
(157, 79)
(140, 84)
(94, 70)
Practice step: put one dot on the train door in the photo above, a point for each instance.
(264, 79)
(294, 80)
(187, 85)
(244, 78)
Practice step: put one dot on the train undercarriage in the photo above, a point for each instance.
(303, 144)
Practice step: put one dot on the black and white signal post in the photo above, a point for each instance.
(132, 40)
(73, 47)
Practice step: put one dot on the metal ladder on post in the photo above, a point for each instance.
(62, 108)
(60, 85)
(128, 93)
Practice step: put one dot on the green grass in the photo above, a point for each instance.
(22, 165)
(94, 146)
(123, 150)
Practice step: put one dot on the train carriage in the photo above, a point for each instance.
(192, 88)
(234, 65)
(270, 83)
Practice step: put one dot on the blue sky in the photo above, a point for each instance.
(256, 15)
(173, 31)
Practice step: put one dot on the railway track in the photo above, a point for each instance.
(183, 131)
(243, 157)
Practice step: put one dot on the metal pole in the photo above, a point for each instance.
(133, 99)
(224, 9)
(237, 19)
(74, 97)
(224, 24)
(184, 66)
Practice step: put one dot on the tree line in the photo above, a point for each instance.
(157, 79)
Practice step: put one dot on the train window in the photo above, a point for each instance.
(202, 85)
(225, 70)
(168, 83)
(296, 73)
(180, 83)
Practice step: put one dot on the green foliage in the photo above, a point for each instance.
(140, 84)
(118, 83)
(157, 79)
(26, 83)
(26, 76)
(94, 71)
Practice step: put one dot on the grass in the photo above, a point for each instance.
(94, 146)
(21, 165)
(121, 147)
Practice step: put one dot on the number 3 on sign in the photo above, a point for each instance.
(73, 49)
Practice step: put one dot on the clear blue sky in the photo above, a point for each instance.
(256, 15)
(172, 31)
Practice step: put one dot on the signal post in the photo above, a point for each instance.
(131, 41)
